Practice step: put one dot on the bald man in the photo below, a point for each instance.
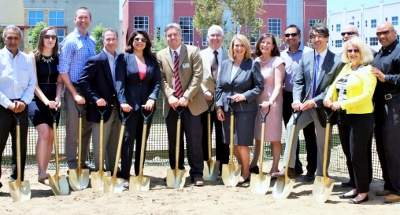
(348, 32)
(387, 109)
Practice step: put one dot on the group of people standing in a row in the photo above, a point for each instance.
(361, 89)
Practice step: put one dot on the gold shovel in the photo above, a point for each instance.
(79, 178)
(59, 184)
(231, 171)
(141, 182)
(283, 184)
(175, 177)
(97, 178)
(112, 184)
(259, 183)
(20, 190)
(210, 170)
(323, 185)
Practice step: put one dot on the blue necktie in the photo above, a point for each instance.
(315, 74)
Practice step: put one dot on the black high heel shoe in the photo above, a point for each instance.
(344, 196)
(354, 201)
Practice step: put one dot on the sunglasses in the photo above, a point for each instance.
(353, 50)
(348, 33)
(50, 36)
(381, 33)
(290, 34)
(138, 39)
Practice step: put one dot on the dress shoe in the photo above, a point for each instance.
(359, 201)
(382, 192)
(309, 177)
(244, 182)
(254, 170)
(198, 181)
(298, 171)
(344, 196)
(392, 198)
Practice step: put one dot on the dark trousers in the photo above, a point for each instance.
(355, 132)
(191, 127)
(221, 149)
(133, 134)
(8, 126)
(309, 136)
(391, 139)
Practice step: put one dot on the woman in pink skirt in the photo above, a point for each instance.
(273, 71)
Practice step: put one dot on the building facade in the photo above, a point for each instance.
(366, 19)
(153, 15)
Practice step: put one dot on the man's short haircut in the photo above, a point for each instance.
(86, 9)
(294, 26)
(108, 30)
(215, 29)
(173, 25)
(13, 28)
(321, 29)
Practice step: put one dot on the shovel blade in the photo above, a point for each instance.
(282, 187)
(210, 170)
(113, 185)
(259, 183)
(230, 174)
(78, 181)
(20, 192)
(59, 185)
(175, 179)
(97, 180)
(322, 189)
(139, 183)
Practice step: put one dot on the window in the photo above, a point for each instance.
(186, 23)
(141, 23)
(366, 23)
(35, 16)
(56, 18)
(366, 40)
(373, 41)
(332, 28)
(204, 41)
(351, 23)
(338, 43)
(395, 20)
(60, 34)
(274, 26)
(373, 23)
(358, 24)
(312, 22)
(337, 27)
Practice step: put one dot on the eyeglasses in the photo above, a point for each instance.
(290, 34)
(138, 39)
(353, 50)
(348, 33)
(50, 36)
(381, 33)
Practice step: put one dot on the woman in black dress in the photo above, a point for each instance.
(142, 86)
(47, 96)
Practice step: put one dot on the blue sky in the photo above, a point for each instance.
(339, 5)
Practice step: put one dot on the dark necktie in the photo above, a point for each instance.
(214, 66)
(315, 75)
(177, 80)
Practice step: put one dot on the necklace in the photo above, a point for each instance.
(47, 59)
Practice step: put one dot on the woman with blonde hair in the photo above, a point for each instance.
(238, 86)
(351, 95)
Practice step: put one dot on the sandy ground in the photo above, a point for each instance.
(213, 198)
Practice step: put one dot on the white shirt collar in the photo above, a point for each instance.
(178, 50)
(322, 54)
(10, 54)
(109, 54)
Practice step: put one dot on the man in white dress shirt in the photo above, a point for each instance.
(212, 58)
(17, 85)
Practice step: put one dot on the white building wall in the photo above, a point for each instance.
(361, 18)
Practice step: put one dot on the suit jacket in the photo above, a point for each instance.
(247, 81)
(137, 91)
(209, 82)
(96, 82)
(302, 81)
(190, 73)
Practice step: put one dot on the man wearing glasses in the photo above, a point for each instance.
(348, 32)
(387, 109)
(317, 70)
(292, 55)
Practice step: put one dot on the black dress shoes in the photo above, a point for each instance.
(344, 196)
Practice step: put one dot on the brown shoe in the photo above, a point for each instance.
(382, 192)
(392, 198)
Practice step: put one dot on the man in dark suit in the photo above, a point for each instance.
(316, 72)
(181, 75)
(100, 84)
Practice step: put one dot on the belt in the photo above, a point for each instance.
(389, 96)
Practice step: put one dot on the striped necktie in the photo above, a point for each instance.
(177, 80)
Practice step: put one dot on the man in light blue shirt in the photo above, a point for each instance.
(17, 85)
(76, 49)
